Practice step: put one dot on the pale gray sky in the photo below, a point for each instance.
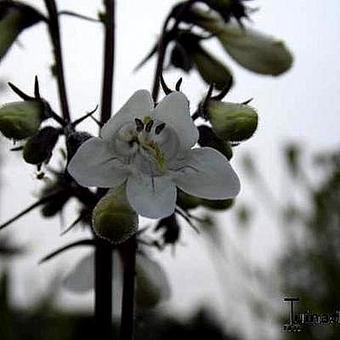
(301, 105)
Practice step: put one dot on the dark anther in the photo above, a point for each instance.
(159, 128)
(149, 125)
(139, 124)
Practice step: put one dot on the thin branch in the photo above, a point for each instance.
(79, 16)
(163, 43)
(30, 208)
(54, 30)
(84, 242)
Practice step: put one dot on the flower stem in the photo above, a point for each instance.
(128, 251)
(103, 254)
(108, 61)
(54, 29)
(165, 38)
(103, 289)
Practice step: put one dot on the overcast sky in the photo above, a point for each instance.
(300, 105)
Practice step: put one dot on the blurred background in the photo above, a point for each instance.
(281, 236)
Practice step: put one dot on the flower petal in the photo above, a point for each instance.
(138, 106)
(81, 277)
(94, 164)
(152, 197)
(174, 111)
(207, 173)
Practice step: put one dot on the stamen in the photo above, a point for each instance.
(148, 126)
(159, 128)
(139, 124)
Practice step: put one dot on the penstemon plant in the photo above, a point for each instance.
(151, 158)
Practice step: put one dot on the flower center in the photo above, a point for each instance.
(147, 145)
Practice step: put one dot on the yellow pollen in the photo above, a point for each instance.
(147, 119)
(157, 153)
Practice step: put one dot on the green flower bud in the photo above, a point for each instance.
(19, 120)
(211, 70)
(152, 284)
(208, 138)
(180, 58)
(113, 218)
(14, 18)
(217, 204)
(55, 206)
(186, 201)
(232, 122)
(74, 141)
(228, 8)
(255, 51)
(38, 148)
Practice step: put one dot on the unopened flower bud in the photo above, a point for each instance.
(113, 218)
(74, 140)
(14, 18)
(19, 120)
(207, 137)
(255, 51)
(211, 70)
(232, 122)
(180, 58)
(186, 201)
(39, 147)
(56, 205)
(228, 8)
(217, 204)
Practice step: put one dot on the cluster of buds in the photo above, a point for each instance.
(222, 21)
(21, 121)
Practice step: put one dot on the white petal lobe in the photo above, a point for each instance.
(138, 106)
(207, 174)
(151, 197)
(174, 111)
(94, 164)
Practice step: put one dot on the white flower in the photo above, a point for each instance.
(151, 150)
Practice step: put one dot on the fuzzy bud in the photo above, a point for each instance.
(232, 122)
(113, 218)
(186, 201)
(255, 51)
(218, 205)
(208, 138)
(74, 141)
(38, 148)
(211, 70)
(19, 120)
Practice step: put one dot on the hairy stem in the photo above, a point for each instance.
(103, 253)
(54, 29)
(108, 61)
(165, 38)
(128, 253)
(103, 289)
